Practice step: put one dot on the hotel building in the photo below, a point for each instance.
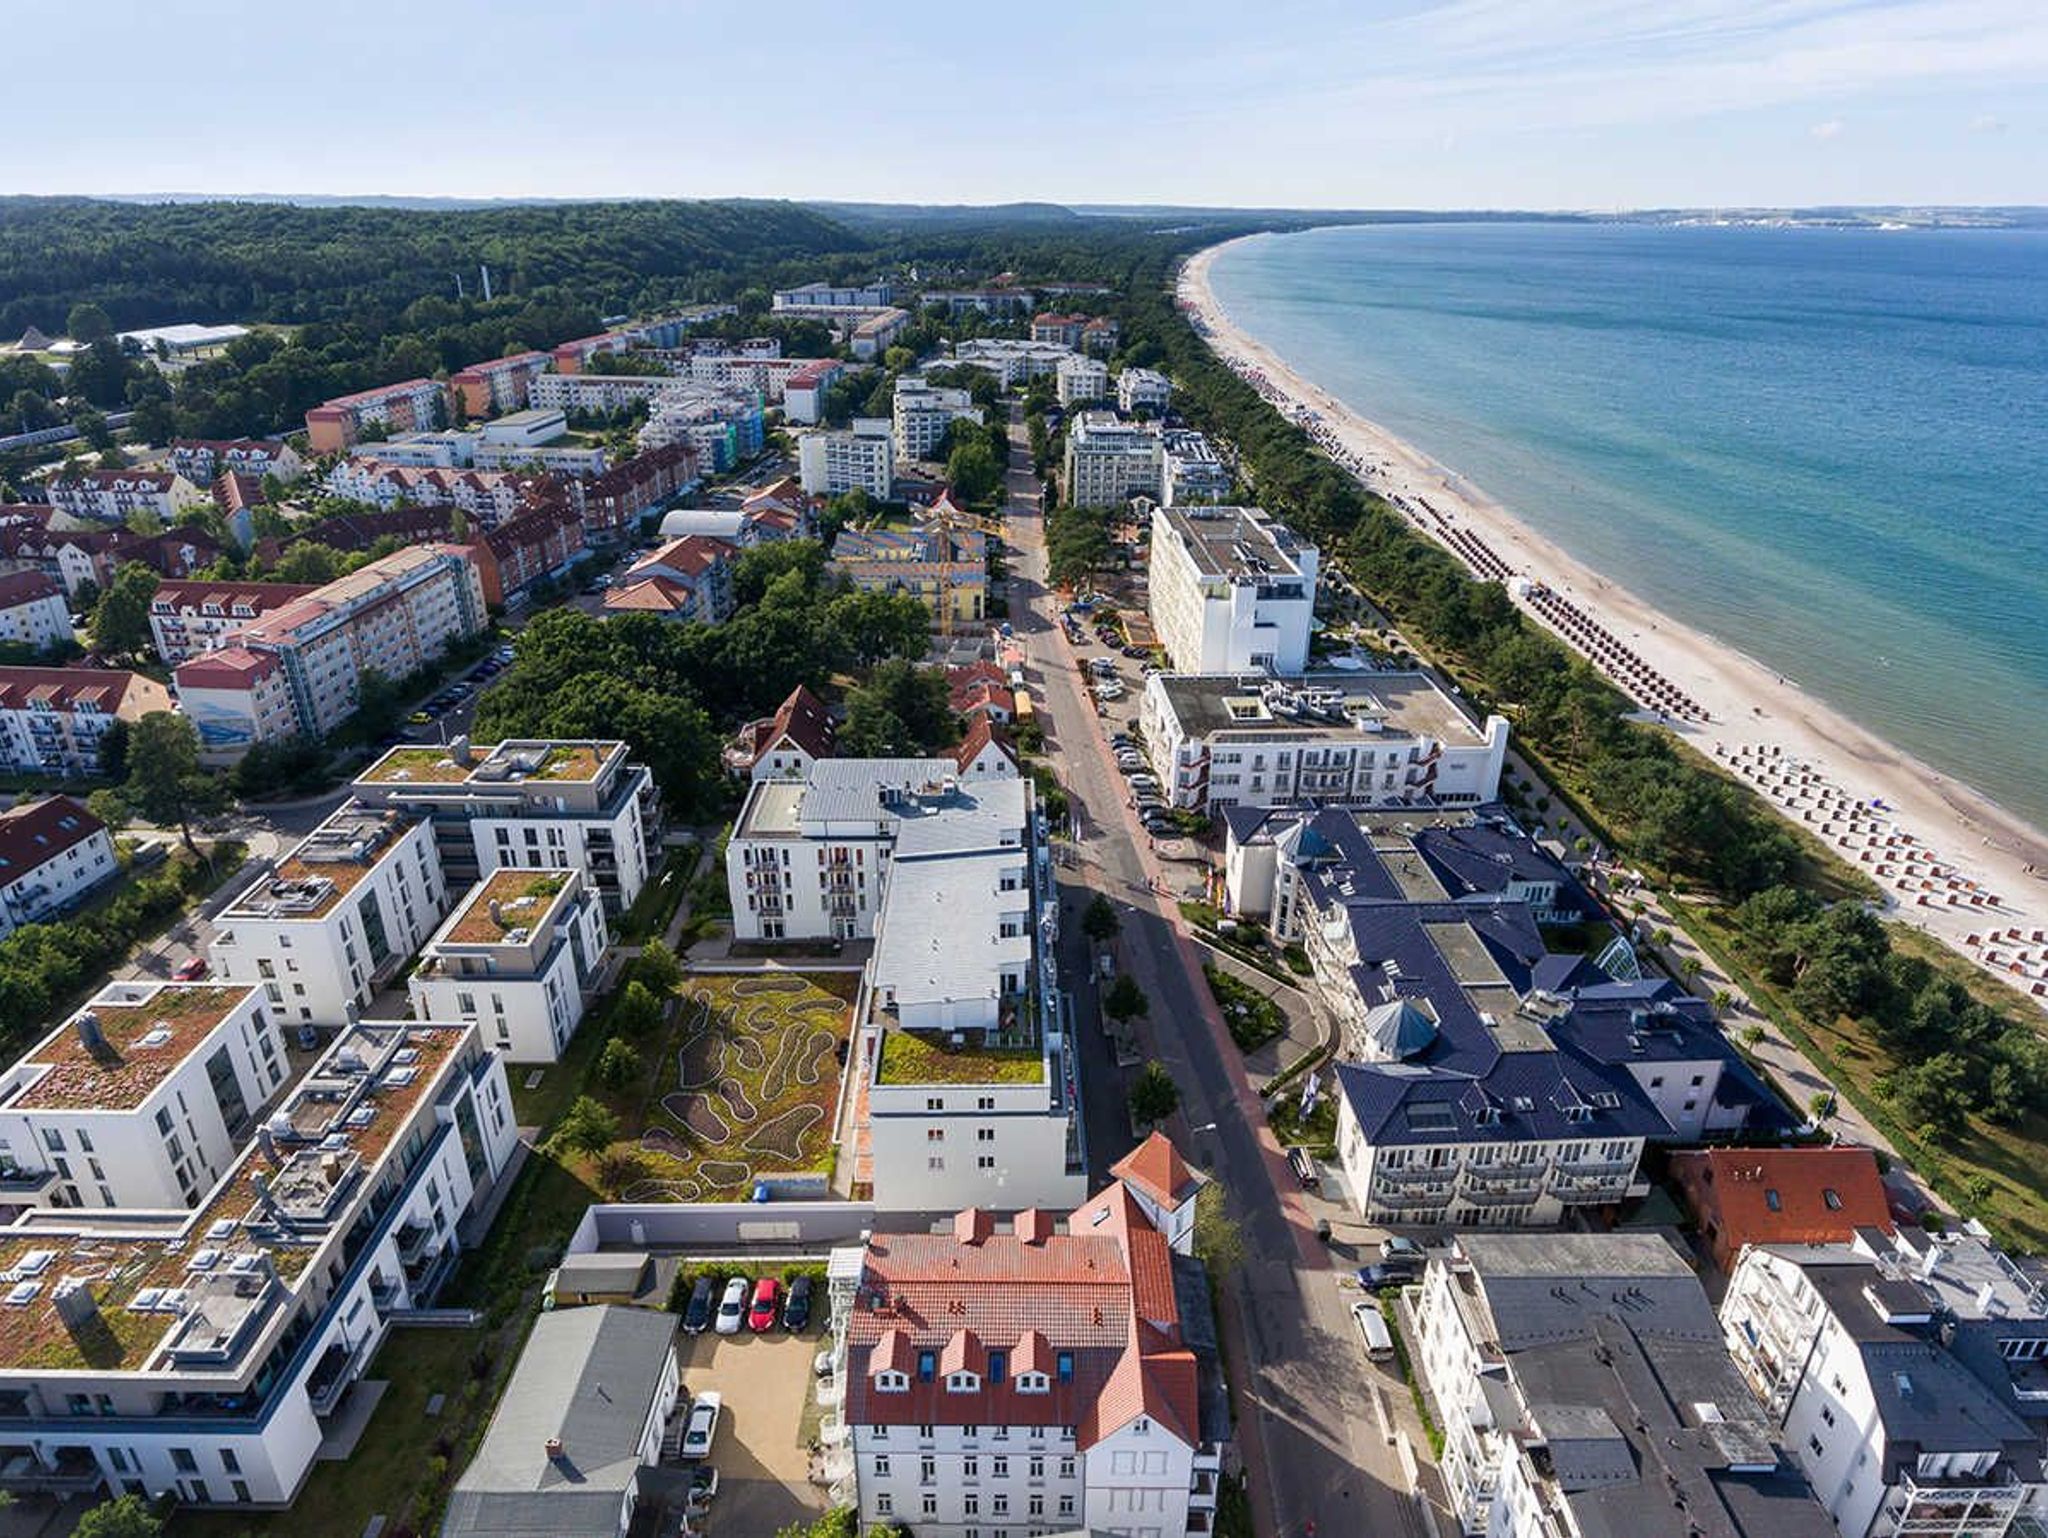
(922, 414)
(1192, 471)
(1108, 462)
(1143, 390)
(1232, 590)
(1081, 380)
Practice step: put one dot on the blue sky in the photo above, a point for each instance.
(1470, 103)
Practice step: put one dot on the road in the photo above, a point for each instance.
(1305, 1391)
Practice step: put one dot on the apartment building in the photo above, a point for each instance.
(724, 425)
(804, 390)
(1058, 1372)
(396, 615)
(922, 413)
(785, 745)
(337, 918)
(409, 406)
(1081, 380)
(1012, 360)
(140, 1099)
(1099, 337)
(202, 1355)
(1143, 391)
(541, 543)
(53, 720)
(613, 504)
(945, 569)
(518, 958)
(354, 532)
(1904, 1373)
(489, 496)
(115, 496)
(76, 557)
(688, 580)
(662, 332)
(1108, 462)
(1191, 471)
(52, 853)
(1057, 330)
(1232, 590)
(1584, 1392)
(877, 295)
(997, 301)
(857, 458)
(759, 369)
(1339, 738)
(560, 804)
(501, 385)
(192, 615)
(877, 333)
(525, 441)
(33, 611)
(1798, 1195)
(202, 461)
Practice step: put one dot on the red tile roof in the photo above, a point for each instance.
(803, 720)
(1156, 1168)
(198, 592)
(693, 554)
(230, 667)
(1783, 1195)
(20, 587)
(656, 595)
(66, 687)
(979, 736)
(38, 831)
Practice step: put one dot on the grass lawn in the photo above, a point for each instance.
(742, 1080)
(908, 1059)
(1251, 1017)
(1318, 1133)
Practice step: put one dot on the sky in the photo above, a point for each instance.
(1579, 104)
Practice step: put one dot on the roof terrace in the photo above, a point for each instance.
(121, 1046)
(329, 863)
(507, 908)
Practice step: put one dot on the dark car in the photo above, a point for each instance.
(796, 1309)
(697, 1317)
(1386, 1275)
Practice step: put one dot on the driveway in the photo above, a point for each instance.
(763, 1470)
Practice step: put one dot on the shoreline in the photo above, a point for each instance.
(1936, 846)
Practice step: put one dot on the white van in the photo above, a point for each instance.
(1372, 1329)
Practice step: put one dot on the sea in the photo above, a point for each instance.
(1826, 447)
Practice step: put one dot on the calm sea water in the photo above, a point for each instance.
(1828, 448)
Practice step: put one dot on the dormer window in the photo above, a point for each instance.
(892, 1382)
(927, 1366)
(1033, 1383)
(963, 1383)
(998, 1366)
(1063, 1365)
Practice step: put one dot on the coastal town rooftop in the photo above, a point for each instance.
(1395, 706)
(1244, 543)
(113, 1052)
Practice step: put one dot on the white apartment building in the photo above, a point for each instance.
(113, 496)
(52, 852)
(338, 917)
(1012, 361)
(1080, 380)
(33, 611)
(1905, 1375)
(1108, 462)
(517, 957)
(202, 461)
(803, 392)
(1339, 738)
(877, 295)
(55, 720)
(922, 413)
(141, 1099)
(606, 392)
(554, 804)
(204, 1354)
(1583, 1391)
(1055, 1375)
(194, 615)
(1192, 471)
(1143, 390)
(1232, 590)
(491, 496)
(859, 458)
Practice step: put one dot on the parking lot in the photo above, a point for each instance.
(763, 1469)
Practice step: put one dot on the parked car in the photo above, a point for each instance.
(1395, 1247)
(1386, 1275)
(1372, 1329)
(732, 1307)
(767, 1293)
(420, 718)
(697, 1316)
(702, 1425)
(1304, 1167)
(796, 1309)
(190, 970)
(1135, 652)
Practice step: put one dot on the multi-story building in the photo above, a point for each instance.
(1905, 1374)
(501, 385)
(688, 579)
(1347, 739)
(757, 368)
(354, 532)
(204, 1354)
(1099, 337)
(1232, 590)
(1191, 471)
(981, 301)
(785, 745)
(141, 1099)
(52, 853)
(1058, 1373)
(1583, 1392)
(76, 557)
(1057, 330)
(1143, 390)
(518, 957)
(1108, 462)
(613, 504)
(1797, 1195)
(53, 720)
(662, 332)
(194, 615)
(534, 805)
(858, 458)
(877, 295)
(923, 413)
(542, 542)
(1081, 380)
(724, 424)
(394, 615)
(1013, 361)
(605, 392)
(532, 439)
(33, 611)
(202, 461)
(945, 569)
(337, 918)
(115, 496)
(409, 406)
(803, 391)
(489, 496)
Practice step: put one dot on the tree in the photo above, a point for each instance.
(379, 703)
(658, 968)
(1099, 921)
(587, 1127)
(165, 784)
(88, 323)
(1218, 1243)
(120, 620)
(1821, 1105)
(902, 711)
(618, 1065)
(872, 627)
(128, 1516)
(1154, 1096)
(974, 471)
(310, 563)
(638, 1010)
(1125, 1000)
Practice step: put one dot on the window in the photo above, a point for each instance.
(1036, 1468)
(1000, 1468)
(970, 1468)
(1832, 1197)
(882, 1467)
(927, 1366)
(1827, 1415)
(935, 1162)
(999, 1505)
(984, 1134)
(1773, 1201)
(884, 1504)
(1063, 1366)
(985, 1162)
(927, 1471)
(229, 1461)
(1813, 1444)
(1066, 1505)
(183, 1461)
(970, 1503)
(931, 1504)
(935, 1134)
(1066, 1472)
(998, 1366)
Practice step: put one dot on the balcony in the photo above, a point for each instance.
(334, 1372)
(1966, 1506)
(1202, 1491)
(75, 1472)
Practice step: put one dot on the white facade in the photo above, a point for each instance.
(517, 958)
(1081, 380)
(922, 413)
(33, 611)
(1108, 462)
(341, 914)
(1011, 360)
(606, 392)
(1143, 389)
(1232, 590)
(52, 852)
(860, 458)
(1193, 472)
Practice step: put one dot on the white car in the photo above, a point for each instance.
(702, 1425)
(732, 1308)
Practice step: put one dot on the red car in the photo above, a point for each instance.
(191, 969)
(762, 1315)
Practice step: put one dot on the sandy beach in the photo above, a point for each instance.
(1951, 861)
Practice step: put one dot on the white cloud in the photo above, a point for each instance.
(1831, 129)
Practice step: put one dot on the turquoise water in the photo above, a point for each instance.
(1828, 448)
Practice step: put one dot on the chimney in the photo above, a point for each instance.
(91, 1036)
(554, 1449)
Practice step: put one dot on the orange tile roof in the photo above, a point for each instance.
(1784, 1195)
(1156, 1168)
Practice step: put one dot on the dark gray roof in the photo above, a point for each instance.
(617, 1271)
(1198, 1334)
(590, 1377)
